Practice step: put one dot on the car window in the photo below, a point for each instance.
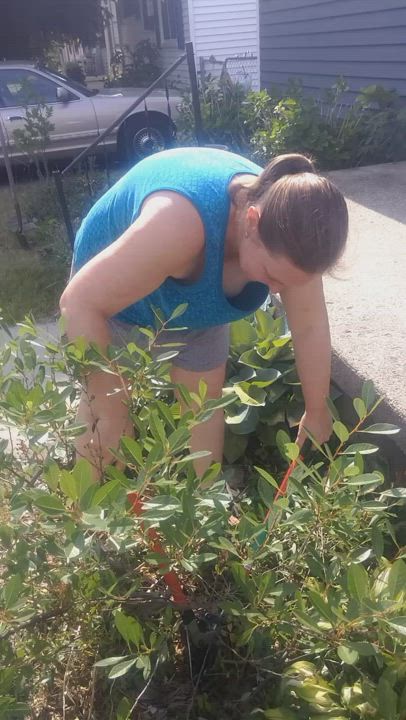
(25, 87)
(72, 83)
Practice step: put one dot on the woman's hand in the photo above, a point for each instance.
(318, 423)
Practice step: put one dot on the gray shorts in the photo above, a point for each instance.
(201, 350)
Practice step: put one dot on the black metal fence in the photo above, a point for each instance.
(82, 160)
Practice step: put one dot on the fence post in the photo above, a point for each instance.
(64, 207)
(11, 183)
(190, 56)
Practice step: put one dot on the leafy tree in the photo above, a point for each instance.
(28, 26)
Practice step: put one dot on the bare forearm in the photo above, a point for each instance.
(313, 360)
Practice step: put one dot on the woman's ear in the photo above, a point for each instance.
(252, 219)
(251, 227)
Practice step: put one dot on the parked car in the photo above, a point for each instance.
(80, 114)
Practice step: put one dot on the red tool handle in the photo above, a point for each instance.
(171, 578)
(284, 484)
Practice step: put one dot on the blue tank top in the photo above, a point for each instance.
(202, 175)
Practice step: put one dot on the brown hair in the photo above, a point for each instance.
(303, 215)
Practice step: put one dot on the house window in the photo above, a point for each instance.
(148, 14)
(130, 8)
(169, 21)
(172, 21)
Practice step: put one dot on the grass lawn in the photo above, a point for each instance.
(32, 279)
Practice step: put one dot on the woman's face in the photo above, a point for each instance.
(261, 265)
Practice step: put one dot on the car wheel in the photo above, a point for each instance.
(142, 138)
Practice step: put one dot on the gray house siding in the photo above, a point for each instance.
(317, 41)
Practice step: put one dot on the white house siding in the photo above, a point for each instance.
(226, 28)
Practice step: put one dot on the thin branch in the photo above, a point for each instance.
(129, 714)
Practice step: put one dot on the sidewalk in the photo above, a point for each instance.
(366, 298)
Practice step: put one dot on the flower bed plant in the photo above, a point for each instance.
(309, 604)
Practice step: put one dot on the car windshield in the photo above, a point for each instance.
(72, 83)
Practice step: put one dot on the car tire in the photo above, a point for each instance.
(141, 137)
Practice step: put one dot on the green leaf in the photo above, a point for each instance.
(224, 544)
(395, 493)
(180, 310)
(157, 427)
(381, 429)
(124, 709)
(242, 335)
(161, 507)
(341, 431)
(362, 648)
(365, 479)
(266, 377)
(250, 394)
(121, 669)
(265, 323)
(377, 542)
(362, 448)
(52, 474)
(68, 485)
(266, 475)
(107, 662)
(323, 607)
(292, 451)
(104, 491)
(282, 438)
(357, 581)
(332, 409)
(347, 655)
(252, 359)
(48, 504)
(398, 623)
(129, 628)
(193, 456)
(132, 448)
(83, 473)
(12, 591)
(245, 421)
(397, 579)
(265, 492)
(279, 714)
(368, 394)
(387, 700)
(360, 408)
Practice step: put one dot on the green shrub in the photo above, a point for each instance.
(130, 68)
(74, 71)
(264, 124)
(222, 108)
(372, 130)
(312, 600)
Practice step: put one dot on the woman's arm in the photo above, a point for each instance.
(308, 321)
(162, 242)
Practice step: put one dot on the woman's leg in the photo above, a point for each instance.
(103, 408)
(210, 434)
